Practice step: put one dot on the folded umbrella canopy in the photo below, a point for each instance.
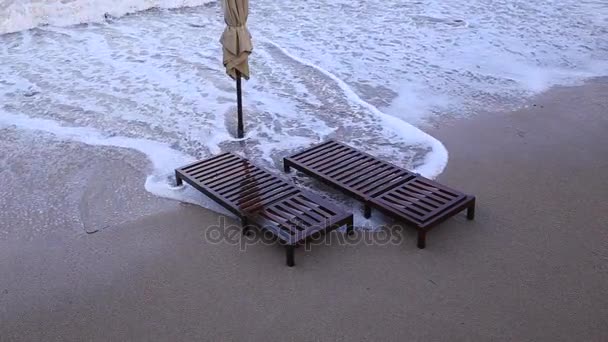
(237, 46)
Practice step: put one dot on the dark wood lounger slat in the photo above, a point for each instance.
(339, 168)
(325, 151)
(303, 214)
(393, 190)
(311, 150)
(257, 196)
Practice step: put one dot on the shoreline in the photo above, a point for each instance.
(532, 266)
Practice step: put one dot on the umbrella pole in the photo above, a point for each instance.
(239, 101)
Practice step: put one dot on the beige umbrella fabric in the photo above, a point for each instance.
(236, 39)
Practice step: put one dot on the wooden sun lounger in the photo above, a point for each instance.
(394, 191)
(258, 197)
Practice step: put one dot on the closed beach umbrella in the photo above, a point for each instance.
(237, 46)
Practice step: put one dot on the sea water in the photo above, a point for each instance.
(367, 72)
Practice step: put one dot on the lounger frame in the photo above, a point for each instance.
(260, 198)
(380, 185)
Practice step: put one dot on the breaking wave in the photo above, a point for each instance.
(18, 15)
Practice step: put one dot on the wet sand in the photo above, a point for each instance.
(87, 254)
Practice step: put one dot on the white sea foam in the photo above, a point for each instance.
(168, 97)
(359, 71)
(434, 163)
(163, 157)
(445, 57)
(17, 15)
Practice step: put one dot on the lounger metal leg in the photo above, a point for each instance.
(471, 211)
(290, 249)
(350, 228)
(178, 180)
(421, 239)
(286, 167)
(245, 225)
(367, 211)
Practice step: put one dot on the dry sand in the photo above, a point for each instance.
(89, 255)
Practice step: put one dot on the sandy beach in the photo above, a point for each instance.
(87, 254)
